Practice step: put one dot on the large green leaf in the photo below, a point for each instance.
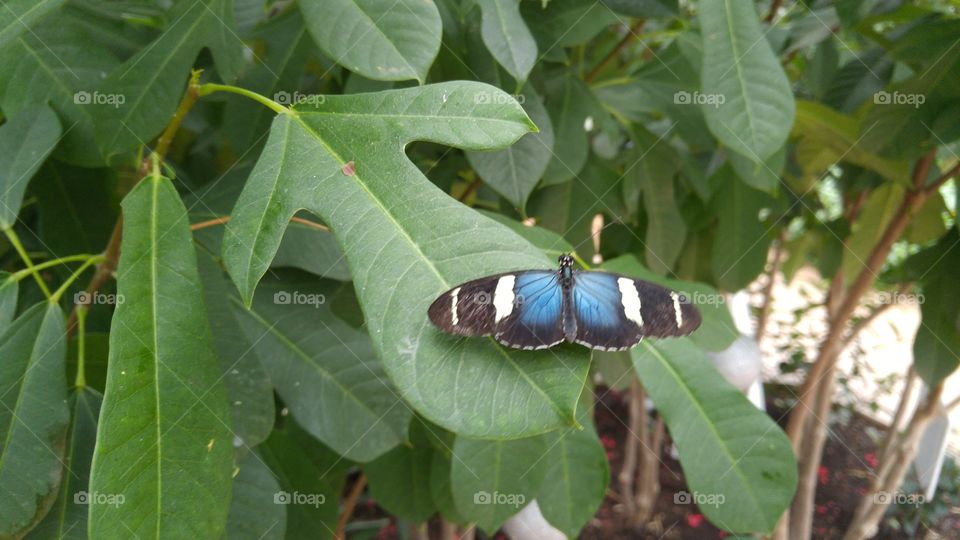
(400, 479)
(739, 466)
(406, 242)
(575, 481)
(141, 94)
(493, 480)
(33, 416)
(9, 288)
(666, 229)
(254, 514)
(26, 139)
(388, 40)
(742, 241)
(68, 517)
(866, 231)
(58, 64)
(18, 16)
(741, 72)
(564, 23)
(513, 172)
(507, 37)
(319, 364)
(163, 442)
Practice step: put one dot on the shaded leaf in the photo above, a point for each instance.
(575, 481)
(742, 241)
(877, 212)
(493, 480)
(569, 106)
(514, 171)
(319, 364)
(26, 139)
(33, 417)
(254, 512)
(732, 453)
(507, 37)
(8, 299)
(18, 16)
(163, 442)
(407, 242)
(400, 479)
(936, 349)
(757, 108)
(389, 40)
(68, 517)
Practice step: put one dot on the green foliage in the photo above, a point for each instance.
(344, 162)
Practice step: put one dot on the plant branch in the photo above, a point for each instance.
(224, 219)
(186, 103)
(631, 34)
(767, 304)
(15, 242)
(349, 504)
(209, 88)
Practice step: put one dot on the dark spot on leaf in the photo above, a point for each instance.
(348, 168)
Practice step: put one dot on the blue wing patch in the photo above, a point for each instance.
(599, 310)
(536, 319)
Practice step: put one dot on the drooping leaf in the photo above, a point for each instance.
(666, 229)
(507, 37)
(757, 106)
(652, 163)
(643, 8)
(319, 364)
(254, 512)
(388, 40)
(936, 349)
(400, 479)
(441, 489)
(513, 172)
(407, 242)
(308, 248)
(58, 63)
(163, 441)
(249, 389)
(866, 231)
(18, 16)
(763, 176)
(742, 241)
(738, 464)
(493, 480)
(68, 516)
(575, 481)
(568, 103)
(141, 94)
(33, 416)
(565, 23)
(310, 477)
(77, 207)
(26, 139)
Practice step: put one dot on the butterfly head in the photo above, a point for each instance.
(566, 261)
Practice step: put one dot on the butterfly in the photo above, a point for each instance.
(537, 309)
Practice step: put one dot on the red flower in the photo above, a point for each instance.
(823, 474)
(871, 459)
(694, 520)
(608, 442)
(821, 509)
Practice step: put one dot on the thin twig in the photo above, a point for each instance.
(224, 219)
(631, 34)
(349, 504)
(767, 304)
(470, 189)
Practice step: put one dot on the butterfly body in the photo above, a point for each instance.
(537, 309)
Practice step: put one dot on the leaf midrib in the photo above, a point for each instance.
(403, 232)
(154, 262)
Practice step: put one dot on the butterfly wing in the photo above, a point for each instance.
(615, 312)
(520, 309)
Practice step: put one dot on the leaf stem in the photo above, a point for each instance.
(20, 274)
(15, 242)
(209, 88)
(189, 98)
(73, 277)
(81, 380)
